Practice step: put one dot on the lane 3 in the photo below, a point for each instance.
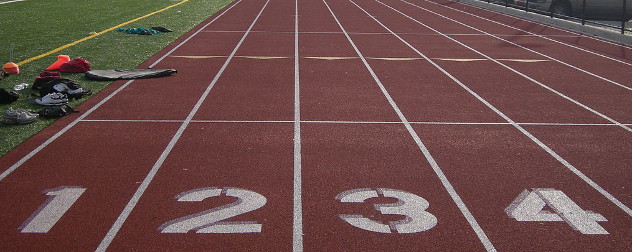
(379, 164)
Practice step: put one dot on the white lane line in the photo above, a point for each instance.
(568, 165)
(107, 240)
(525, 48)
(514, 70)
(384, 33)
(297, 222)
(433, 163)
(12, 1)
(87, 113)
(361, 122)
(542, 36)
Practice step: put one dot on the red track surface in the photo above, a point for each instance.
(466, 113)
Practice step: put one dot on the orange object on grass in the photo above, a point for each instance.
(11, 68)
(61, 59)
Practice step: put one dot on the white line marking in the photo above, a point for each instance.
(520, 128)
(107, 240)
(544, 37)
(514, 70)
(12, 1)
(433, 163)
(297, 237)
(525, 48)
(360, 122)
(403, 33)
(87, 113)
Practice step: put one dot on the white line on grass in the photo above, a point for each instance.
(297, 238)
(433, 163)
(513, 70)
(12, 1)
(87, 113)
(154, 170)
(568, 165)
(525, 48)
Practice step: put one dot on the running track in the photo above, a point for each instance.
(341, 126)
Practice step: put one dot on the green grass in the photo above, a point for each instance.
(34, 27)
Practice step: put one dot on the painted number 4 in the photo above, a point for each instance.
(529, 206)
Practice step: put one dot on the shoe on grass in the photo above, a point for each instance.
(18, 116)
(52, 99)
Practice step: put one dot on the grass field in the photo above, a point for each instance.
(34, 27)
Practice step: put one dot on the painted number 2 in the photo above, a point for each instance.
(212, 220)
(408, 204)
(529, 206)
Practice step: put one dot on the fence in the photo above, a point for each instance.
(581, 15)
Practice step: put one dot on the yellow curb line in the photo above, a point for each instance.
(95, 35)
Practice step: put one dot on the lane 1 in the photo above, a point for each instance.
(66, 196)
(108, 165)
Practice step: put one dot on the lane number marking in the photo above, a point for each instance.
(529, 206)
(46, 216)
(212, 220)
(408, 204)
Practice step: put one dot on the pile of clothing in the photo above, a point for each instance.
(58, 90)
(54, 92)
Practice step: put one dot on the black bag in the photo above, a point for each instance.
(7, 97)
(128, 74)
(56, 111)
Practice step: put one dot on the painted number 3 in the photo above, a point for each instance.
(408, 204)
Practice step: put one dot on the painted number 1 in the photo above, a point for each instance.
(46, 216)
